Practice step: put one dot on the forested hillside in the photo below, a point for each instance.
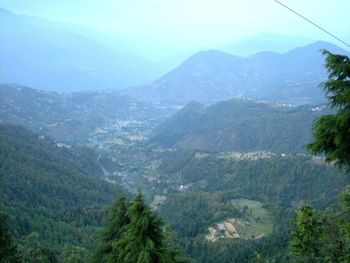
(53, 194)
(238, 125)
(79, 117)
(255, 192)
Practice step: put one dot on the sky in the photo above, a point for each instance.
(191, 24)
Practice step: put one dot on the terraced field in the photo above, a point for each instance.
(256, 223)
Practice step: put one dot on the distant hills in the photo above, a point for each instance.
(74, 116)
(208, 76)
(52, 56)
(238, 125)
(266, 42)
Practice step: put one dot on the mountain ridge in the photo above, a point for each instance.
(49, 55)
(238, 125)
(209, 76)
(74, 117)
(265, 41)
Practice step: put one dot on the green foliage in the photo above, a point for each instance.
(52, 191)
(115, 224)
(73, 254)
(191, 213)
(32, 251)
(332, 132)
(322, 236)
(337, 87)
(8, 251)
(306, 236)
(279, 182)
(284, 180)
(237, 125)
(238, 250)
(342, 247)
(143, 240)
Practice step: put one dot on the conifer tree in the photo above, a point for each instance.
(115, 224)
(143, 240)
(306, 236)
(325, 237)
(332, 132)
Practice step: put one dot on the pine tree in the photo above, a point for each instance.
(115, 224)
(144, 238)
(332, 132)
(326, 237)
(306, 236)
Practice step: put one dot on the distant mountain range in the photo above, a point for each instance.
(53, 56)
(238, 125)
(291, 78)
(60, 57)
(266, 42)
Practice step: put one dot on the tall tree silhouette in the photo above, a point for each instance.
(144, 239)
(332, 132)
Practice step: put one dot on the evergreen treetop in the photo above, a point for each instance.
(332, 132)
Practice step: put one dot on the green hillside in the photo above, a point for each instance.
(238, 125)
(83, 117)
(207, 194)
(51, 190)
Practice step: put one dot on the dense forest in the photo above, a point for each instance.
(279, 183)
(238, 125)
(52, 195)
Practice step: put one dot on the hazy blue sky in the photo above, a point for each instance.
(192, 23)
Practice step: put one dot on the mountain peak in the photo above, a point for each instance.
(318, 46)
(211, 53)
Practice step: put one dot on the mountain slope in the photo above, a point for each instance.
(73, 117)
(49, 55)
(203, 188)
(208, 76)
(238, 125)
(51, 190)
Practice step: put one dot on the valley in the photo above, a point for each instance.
(209, 196)
(217, 146)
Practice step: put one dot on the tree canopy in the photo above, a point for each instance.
(8, 251)
(324, 237)
(115, 223)
(135, 234)
(332, 132)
